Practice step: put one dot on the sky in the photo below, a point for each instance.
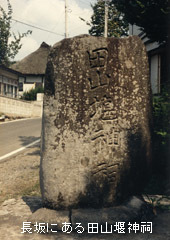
(48, 15)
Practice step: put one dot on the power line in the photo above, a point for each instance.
(55, 27)
(42, 29)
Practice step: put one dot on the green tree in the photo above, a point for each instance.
(8, 48)
(161, 120)
(117, 27)
(153, 17)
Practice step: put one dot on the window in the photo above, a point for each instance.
(21, 86)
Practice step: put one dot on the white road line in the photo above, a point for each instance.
(17, 120)
(19, 150)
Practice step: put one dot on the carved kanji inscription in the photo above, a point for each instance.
(96, 119)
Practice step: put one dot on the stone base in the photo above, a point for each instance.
(52, 217)
(134, 210)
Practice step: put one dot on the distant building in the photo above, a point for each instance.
(8, 82)
(32, 68)
(157, 59)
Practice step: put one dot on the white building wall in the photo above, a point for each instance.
(155, 74)
(154, 60)
(29, 82)
(27, 87)
(33, 79)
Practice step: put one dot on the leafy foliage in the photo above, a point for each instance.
(161, 119)
(117, 26)
(152, 16)
(32, 94)
(8, 48)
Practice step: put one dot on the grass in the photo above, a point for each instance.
(155, 194)
(32, 190)
(23, 191)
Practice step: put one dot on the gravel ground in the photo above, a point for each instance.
(19, 175)
(20, 196)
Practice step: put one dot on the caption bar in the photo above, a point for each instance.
(118, 227)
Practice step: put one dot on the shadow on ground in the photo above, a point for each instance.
(33, 202)
(27, 140)
(36, 152)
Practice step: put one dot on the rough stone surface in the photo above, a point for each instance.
(134, 210)
(96, 122)
(52, 217)
(14, 212)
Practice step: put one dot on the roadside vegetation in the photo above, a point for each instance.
(161, 120)
(10, 43)
(158, 188)
(32, 94)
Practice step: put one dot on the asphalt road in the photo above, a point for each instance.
(17, 134)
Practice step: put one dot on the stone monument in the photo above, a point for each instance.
(96, 122)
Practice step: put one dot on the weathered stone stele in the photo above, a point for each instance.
(96, 122)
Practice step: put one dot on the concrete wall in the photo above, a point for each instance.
(40, 97)
(20, 108)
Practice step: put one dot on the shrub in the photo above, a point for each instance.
(161, 120)
(31, 94)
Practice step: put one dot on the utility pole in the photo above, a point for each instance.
(66, 19)
(106, 19)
